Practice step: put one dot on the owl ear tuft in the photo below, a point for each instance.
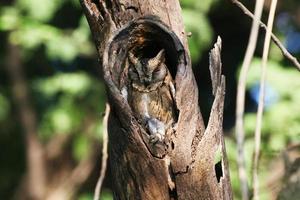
(157, 60)
(160, 56)
(132, 58)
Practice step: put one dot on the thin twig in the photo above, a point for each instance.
(69, 186)
(104, 154)
(261, 99)
(284, 51)
(241, 99)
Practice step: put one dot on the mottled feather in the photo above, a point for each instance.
(151, 92)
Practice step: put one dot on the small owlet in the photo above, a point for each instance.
(151, 94)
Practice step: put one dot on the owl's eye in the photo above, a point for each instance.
(159, 73)
(156, 70)
(133, 74)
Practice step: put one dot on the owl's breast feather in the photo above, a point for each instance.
(146, 89)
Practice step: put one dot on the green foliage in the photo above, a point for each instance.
(98, 130)
(9, 18)
(202, 6)
(231, 154)
(63, 118)
(40, 11)
(4, 107)
(85, 197)
(67, 45)
(105, 195)
(81, 147)
(201, 32)
(196, 22)
(282, 120)
(28, 28)
(69, 83)
(66, 91)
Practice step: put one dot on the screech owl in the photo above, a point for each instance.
(151, 94)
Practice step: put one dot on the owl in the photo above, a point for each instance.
(151, 94)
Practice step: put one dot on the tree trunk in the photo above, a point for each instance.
(184, 165)
(35, 155)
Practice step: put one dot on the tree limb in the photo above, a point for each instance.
(179, 168)
(104, 154)
(240, 102)
(35, 155)
(284, 51)
(261, 100)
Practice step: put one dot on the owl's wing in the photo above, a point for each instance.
(124, 75)
(172, 89)
(161, 105)
(169, 81)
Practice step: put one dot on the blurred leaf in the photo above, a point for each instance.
(70, 83)
(4, 107)
(61, 94)
(197, 23)
(99, 129)
(61, 120)
(81, 147)
(250, 123)
(86, 196)
(105, 195)
(275, 52)
(9, 18)
(64, 45)
(64, 117)
(31, 34)
(76, 3)
(284, 122)
(231, 154)
(277, 143)
(248, 150)
(283, 79)
(283, 118)
(71, 43)
(201, 6)
(39, 10)
(30, 31)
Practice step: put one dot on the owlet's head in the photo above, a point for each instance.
(147, 71)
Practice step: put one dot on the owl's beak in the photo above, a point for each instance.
(147, 80)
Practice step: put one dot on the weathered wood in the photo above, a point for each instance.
(185, 170)
(106, 16)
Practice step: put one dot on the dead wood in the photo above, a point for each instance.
(185, 167)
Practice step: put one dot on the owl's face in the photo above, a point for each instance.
(145, 73)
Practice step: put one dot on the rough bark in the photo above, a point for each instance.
(141, 170)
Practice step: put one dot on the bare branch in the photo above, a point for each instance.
(104, 154)
(284, 51)
(55, 147)
(67, 188)
(261, 99)
(241, 99)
